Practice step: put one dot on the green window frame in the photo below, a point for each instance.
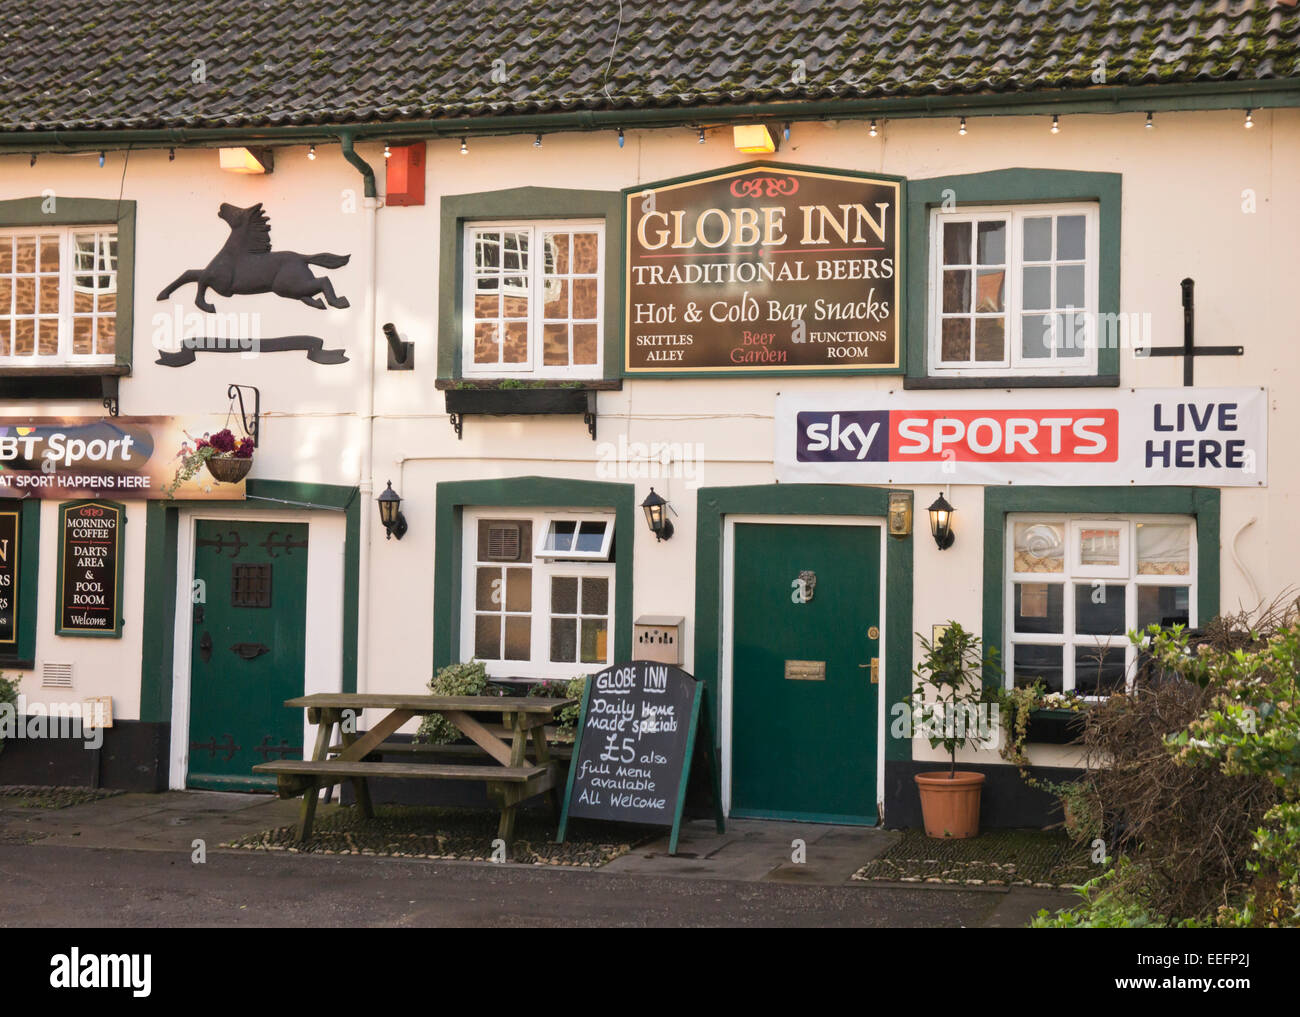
(1015, 187)
(21, 654)
(89, 381)
(454, 496)
(1201, 503)
(513, 205)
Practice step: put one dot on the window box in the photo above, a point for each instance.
(1054, 727)
(509, 402)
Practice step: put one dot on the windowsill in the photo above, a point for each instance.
(527, 384)
(1015, 381)
(66, 371)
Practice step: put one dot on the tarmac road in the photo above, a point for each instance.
(71, 887)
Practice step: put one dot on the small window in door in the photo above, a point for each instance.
(250, 586)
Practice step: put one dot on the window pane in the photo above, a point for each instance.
(1069, 286)
(591, 535)
(586, 250)
(1037, 663)
(595, 638)
(49, 295)
(956, 243)
(487, 637)
(989, 288)
(83, 335)
(584, 344)
(518, 637)
(956, 291)
(515, 348)
(1039, 607)
(1163, 549)
(1040, 547)
(955, 343)
(487, 343)
(26, 254)
(1037, 294)
(1072, 333)
(1163, 605)
(556, 294)
(24, 336)
(1099, 546)
(990, 339)
(47, 337)
(1036, 336)
(1098, 609)
(555, 344)
(992, 243)
(557, 253)
(106, 330)
(584, 299)
(25, 295)
(1038, 239)
(519, 589)
(564, 639)
(1098, 671)
(560, 535)
(595, 596)
(487, 589)
(564, 595)
(487, 251)
(1070, 233)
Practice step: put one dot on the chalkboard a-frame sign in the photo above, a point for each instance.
(637, 733)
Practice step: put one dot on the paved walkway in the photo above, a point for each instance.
(136, 852)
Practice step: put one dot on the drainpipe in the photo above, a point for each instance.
(364, 482)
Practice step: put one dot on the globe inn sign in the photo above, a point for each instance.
(721, 268)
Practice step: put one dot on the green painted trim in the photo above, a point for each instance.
(522, 203)
(828, 372)
(1182, 96)
(160, 564)
(1013, 186)
(119, 594)
(27, 576)
(18, 212)
(1200, 502)
(806, 817)
(453, 496)
(714, 504)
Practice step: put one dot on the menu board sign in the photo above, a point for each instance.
(9, 551)
(636, 739)
(765, 268)
(90, 569)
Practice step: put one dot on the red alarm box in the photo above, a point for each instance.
(405, 178)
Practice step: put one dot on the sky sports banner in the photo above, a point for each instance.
(1199, 436)
(92, 457)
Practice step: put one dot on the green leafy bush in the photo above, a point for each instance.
(566, 721)
(467, 679)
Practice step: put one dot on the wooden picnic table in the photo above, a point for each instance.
(513, 774)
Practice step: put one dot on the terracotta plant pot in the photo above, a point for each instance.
(951, 806)
(229, 471)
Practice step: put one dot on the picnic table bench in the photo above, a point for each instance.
(512, 774)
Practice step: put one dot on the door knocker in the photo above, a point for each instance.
(803, 587)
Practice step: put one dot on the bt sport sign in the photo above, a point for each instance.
(1209, 437)
(765, 268)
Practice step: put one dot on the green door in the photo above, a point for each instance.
(247, 651)
(804, 708)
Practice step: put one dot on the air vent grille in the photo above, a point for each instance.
(503, 542)
(56, 676)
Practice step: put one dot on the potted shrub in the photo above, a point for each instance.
(949, 686)
(227, 458)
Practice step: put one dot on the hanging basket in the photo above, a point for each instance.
(229, 470)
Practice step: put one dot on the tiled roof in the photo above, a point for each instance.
(87, 64)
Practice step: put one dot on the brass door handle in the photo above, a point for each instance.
(875, 670)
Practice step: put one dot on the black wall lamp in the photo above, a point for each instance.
(390, 513)
(656, 514)
(401, 355)
(941, 522)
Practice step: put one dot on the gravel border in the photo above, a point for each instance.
(1043, 859)
(43, 796)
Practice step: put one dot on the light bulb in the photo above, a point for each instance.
(464, 146)
(620, 137)
(388, 152)
(1056, 124)
(872, 131)
(701, 135)
(962, 129)
(537, 141)
(1150, 122)
(311, 152)
(1250, 120)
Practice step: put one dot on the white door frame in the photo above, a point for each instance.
(726, 683)
(323, 657)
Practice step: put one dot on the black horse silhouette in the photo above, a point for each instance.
(246, 264)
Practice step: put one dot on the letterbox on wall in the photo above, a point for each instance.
(405, 179)
(658, 637)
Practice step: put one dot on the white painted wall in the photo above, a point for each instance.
(1183, 187)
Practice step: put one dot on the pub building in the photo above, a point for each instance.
(758, 340)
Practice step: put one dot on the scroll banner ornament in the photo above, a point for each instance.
(94, 457)
(1210, 437)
